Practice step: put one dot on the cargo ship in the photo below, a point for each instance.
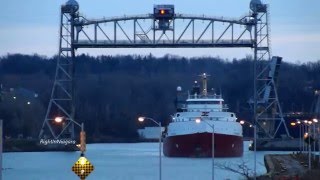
(189, 133)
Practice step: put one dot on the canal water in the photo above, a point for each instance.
(126, 161)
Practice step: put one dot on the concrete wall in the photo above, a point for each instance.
(150, 132)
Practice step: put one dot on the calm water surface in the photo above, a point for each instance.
(136, 161)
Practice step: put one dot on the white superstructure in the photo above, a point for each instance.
(202, 126)
(209, 108)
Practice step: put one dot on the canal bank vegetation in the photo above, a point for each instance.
(111, 92)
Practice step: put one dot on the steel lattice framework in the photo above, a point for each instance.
(129, 32)
(141, 31)
(62, 101)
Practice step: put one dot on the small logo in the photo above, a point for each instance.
(205, 114)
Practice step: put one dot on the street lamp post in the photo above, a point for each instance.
(304, 134)
(255, 150)
(254, 147)
(314, 142)
(298, 123)
(315, 121)
(300, 136)
(308, 135)
(141, 119)
(309, 146)
(319, 142)
(82, 133)
(198, 120)
(1, 147)
(318, 136)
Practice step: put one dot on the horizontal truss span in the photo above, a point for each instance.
(163, 44)
(240, 21)
(146, 31)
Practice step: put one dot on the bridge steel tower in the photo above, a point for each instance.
(161, 29)
(61, 103)
(268, 114)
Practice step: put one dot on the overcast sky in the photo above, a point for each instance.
(32, 26)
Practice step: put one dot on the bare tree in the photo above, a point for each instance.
(240, 168)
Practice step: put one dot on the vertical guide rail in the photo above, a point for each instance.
(62, 96)
(72, 72)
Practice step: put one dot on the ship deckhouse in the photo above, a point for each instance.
(202, 104)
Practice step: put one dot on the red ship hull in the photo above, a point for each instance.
(200, 145)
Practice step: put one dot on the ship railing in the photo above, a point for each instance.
(225, 108)
(205, 118)
(195, 96)
(217, 119)
(185, 106)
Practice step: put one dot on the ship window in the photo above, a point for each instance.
(178, 115)
(232, 115)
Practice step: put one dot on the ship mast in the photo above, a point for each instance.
(204, 84)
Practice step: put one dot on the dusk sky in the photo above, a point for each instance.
(32, 26)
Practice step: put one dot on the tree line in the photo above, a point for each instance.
(112, 91)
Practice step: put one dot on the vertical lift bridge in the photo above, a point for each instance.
(164, 28)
